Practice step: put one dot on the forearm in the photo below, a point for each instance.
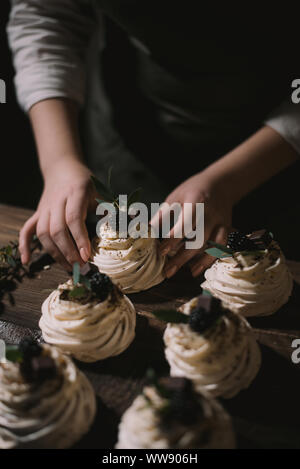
(55, 127)
(251, 164)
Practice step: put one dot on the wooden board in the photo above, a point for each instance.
(266, 415)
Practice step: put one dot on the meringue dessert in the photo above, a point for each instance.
(213, 347)
(254, 280)
(45, 402)
(90, 323)
(135, 264)
(170, 415)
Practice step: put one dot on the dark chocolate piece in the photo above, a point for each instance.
(261, 238)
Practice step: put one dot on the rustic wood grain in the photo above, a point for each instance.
(272, 400)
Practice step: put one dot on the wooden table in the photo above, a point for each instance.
(266, 415)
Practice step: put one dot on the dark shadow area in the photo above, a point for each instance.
(21, 183)
(287, 318)
(268, 412)
(104, 430)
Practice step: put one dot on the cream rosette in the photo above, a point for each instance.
(53, 414)
(92, 331)
(135, 264)
(221, 361)
(141, 426)
(252, 284)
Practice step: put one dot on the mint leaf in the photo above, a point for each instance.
(206, 293)
(76, 273)
(102, 189)
(218, 250)
(13, 354)
(78, 292)
(170, 315)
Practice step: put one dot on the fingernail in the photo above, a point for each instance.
(84, 254)
(23, 260)
(170, 272)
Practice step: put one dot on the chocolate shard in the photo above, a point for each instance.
(43, 368)
(208, 303)
(175, 384)
(261, 238)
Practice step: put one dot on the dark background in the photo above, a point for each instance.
(21, 183)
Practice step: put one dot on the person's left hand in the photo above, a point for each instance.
(217, 222)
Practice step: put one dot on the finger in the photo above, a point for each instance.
(61, 237)
(176, 262)
(199, 265)
(76, 210)
(25, 238)
(42, 231)
(203, 262)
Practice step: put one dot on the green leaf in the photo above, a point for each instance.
(218, 250)
(76, 273)
(221, 247)
(13, 353)
(102, 189)
(215, 252)
(11, 261)
(78, 292)
(135, 196)
(206, 293)
(170, 315)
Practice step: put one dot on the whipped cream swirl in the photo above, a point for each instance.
(91, 331)
(141, 426)
(133, 264)
(221, 361)
(53, 414)
(255, 284)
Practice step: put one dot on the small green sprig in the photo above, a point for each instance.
(108, 195)
(11, 268)
(218, 250)
(81, 286)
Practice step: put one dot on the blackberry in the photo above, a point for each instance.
(30, 348)
(101, 285)
(184, 406)
(238, 241)
(201, 318)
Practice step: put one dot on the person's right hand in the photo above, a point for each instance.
(59, 221)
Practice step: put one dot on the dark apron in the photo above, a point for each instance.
(185, 92)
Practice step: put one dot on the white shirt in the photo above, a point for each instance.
(49, 40)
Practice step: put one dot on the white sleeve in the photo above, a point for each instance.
(49, 40)
(286, 121)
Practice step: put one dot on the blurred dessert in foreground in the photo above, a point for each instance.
(45, 402)
(252, 277)
(213, 347)
(170, 415)
(89, 318)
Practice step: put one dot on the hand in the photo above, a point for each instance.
(59, 221)
(217, 215)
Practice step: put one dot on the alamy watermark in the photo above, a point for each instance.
(187, 220)
(296, 353)
(2, 92)
(295, 97)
